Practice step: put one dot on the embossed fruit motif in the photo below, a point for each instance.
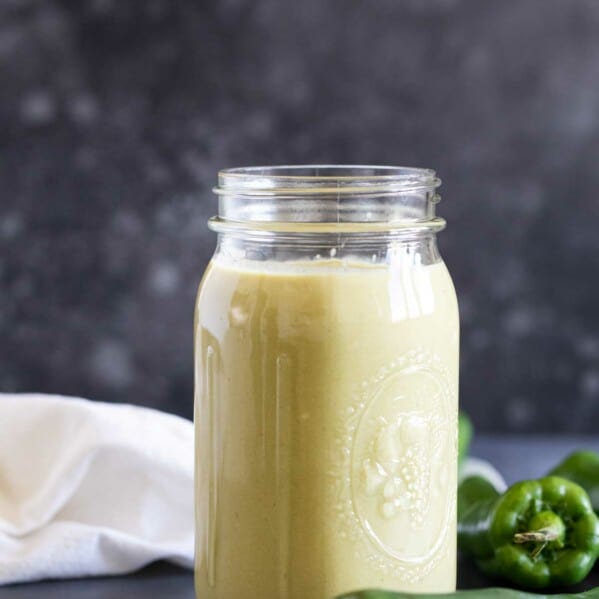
(396, 498)
(399, 472)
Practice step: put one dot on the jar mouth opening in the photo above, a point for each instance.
(312, 179)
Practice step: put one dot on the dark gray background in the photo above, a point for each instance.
(116, 115)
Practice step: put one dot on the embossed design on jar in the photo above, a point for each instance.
(395, 437)
(399, 470)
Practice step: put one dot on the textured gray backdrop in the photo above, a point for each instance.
(116, 115)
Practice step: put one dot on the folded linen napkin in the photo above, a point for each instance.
(477, 467)
(90, 488)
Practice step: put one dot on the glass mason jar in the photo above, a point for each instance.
(326, 344)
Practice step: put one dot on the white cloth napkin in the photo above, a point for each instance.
(477, 467)
(90, 488)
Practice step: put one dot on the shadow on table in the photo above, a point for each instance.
(158, 581)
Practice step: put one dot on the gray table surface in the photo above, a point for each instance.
(516, 457)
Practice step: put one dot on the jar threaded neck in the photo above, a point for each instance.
(321, 196)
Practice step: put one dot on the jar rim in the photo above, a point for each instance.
(308, 179)
(266, 229)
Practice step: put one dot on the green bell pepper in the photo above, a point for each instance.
(465, 432)
(476, 594)
(582, 467)
(538, 534)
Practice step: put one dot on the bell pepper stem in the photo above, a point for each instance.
(538, 550)
(543, 535)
